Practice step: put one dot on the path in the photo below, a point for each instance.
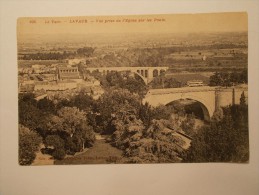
(43, 159)
(101, 153)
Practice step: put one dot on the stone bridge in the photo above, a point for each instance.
(147, 74)
(209, 98)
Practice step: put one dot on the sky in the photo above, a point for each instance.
(173, 23)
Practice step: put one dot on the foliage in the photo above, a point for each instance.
(225, 140)
(227, 79)
(29, 143)
(67, 119)
(83, 101)
(148, 113)
(145, 114)
(162, 112)
(243, 99)
(54, 141)
(84, 136)
(127, 129)
(85, 51)
(59, 153)
(124, 80)
(35, 115)
(57, 143)
(47, 56)
(134, 85)
(153, 140)
(71, 125)
(164, 82)
(218, 115)
(155, 144)
(187, 125)
(28, 112)
(46, 105)
(111, 104)
(150, 57)
(64, 103)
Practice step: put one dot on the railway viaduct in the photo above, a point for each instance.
(147, 74)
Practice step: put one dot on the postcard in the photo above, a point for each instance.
(169, 88)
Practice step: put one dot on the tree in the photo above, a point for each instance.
(114, 79)
(86, 51)
(226, 78)
(127, 129)
(54, 141)
(68, 119)
(64, 103)
(71, 122)
(112, 103)
(29, 143)
(163, 82)
(187, 125)
(59, 154)
(83, 101)
(57, 143)
(152, 145)
(162, 112)
(134, 85)
(243, 76)
(215, 79)
(145, 114)
(28, 98)
(225, 140)
(243, 99)
(46, 105)
(84, 136)
(29, 114)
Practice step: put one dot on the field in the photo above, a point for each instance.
(100, 153)
(29, 63)
(205, 52)
(184, 77)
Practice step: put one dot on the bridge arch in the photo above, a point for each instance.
(142, 72)
(207, 109)
(162, 71)
(155, 73)
(205, 112)
(142, 77)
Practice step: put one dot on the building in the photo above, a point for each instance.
(56, 86)
(48, 77)
(26, 88)
(67, 73)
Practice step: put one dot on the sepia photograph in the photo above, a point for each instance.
(133, 89)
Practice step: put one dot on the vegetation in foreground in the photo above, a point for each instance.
(225, 139)
(143, 133)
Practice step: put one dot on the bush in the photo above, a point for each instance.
(223, 140)
(140, 145)
(59, 153)
(54, 141)
(58, 145)
(29, 142)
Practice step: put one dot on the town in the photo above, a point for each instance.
(44, 80)
(138, 98)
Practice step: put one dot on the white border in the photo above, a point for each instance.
(156, 179)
